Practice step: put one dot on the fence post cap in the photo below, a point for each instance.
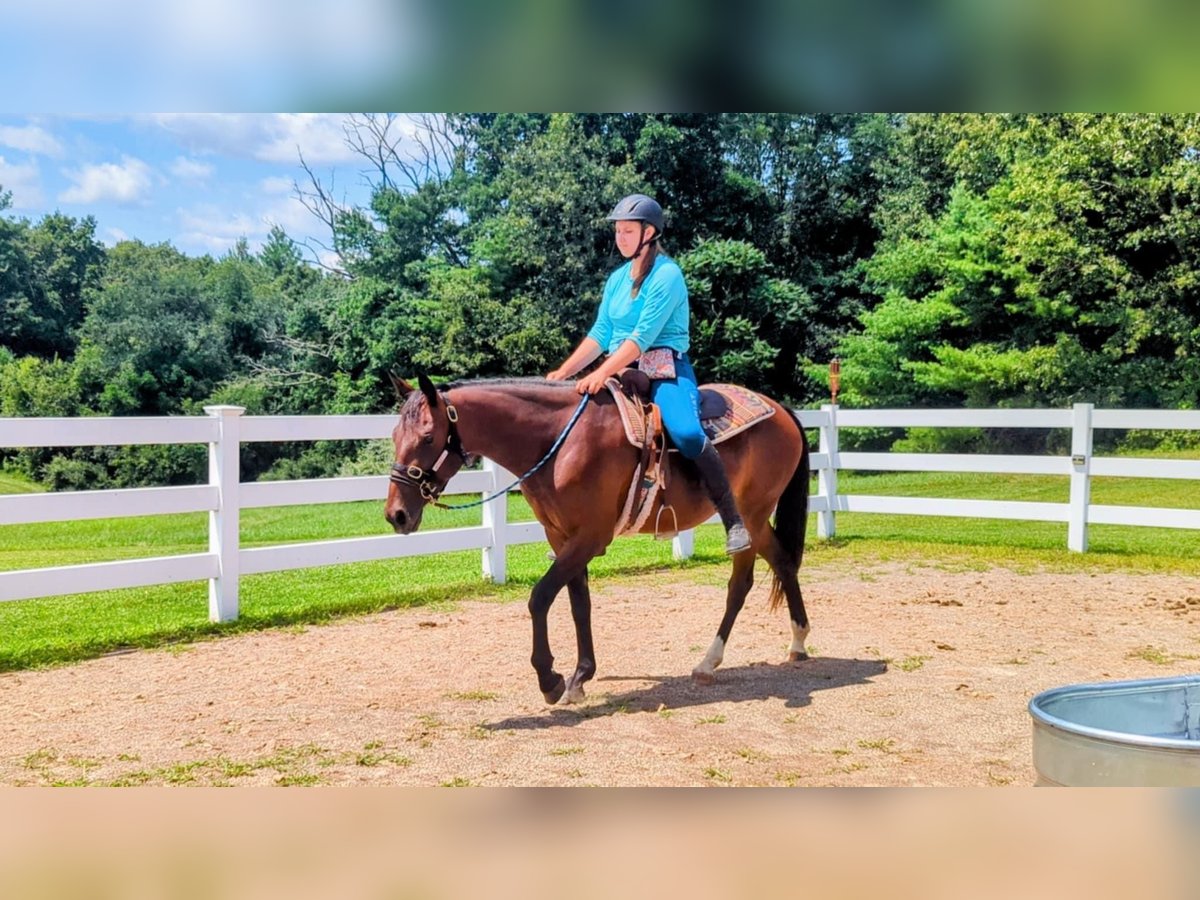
(224, 410)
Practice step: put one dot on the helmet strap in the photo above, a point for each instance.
(643, 241)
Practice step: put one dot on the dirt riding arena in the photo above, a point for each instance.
(919, 676)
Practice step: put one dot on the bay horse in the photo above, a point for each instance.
(578, 495)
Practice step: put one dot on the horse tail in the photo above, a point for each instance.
(791, 517)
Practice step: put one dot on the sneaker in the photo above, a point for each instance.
(737, 539)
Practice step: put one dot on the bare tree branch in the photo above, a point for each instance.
(297, 345)
(403, 153)
(425, 154)
(276, 375)
(318, 200)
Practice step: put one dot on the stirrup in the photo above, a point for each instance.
(673, 532)
(737, 539)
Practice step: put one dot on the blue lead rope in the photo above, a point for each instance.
(541, 462)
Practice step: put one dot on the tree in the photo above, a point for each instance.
(1061, 269)
(742, 316)
(15, 280)
(152, 340)
(45, 273)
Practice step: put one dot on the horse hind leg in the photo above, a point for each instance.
(787, 583)
(798, 652)
(740, 582)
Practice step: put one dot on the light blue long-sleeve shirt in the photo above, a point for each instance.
(656, 317)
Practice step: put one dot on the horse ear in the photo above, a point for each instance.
(402, 387)
(427, 389)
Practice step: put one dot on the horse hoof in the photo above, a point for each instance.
(574, 694)
(701, 677)
(795, 656)
(555, 694)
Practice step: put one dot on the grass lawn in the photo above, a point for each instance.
(62, 629)
(12, 483)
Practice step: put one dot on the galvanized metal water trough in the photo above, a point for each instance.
(1122, 733)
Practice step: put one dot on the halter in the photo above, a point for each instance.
(431, 485)
(428, 481)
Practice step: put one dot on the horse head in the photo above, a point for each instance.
(428, 452)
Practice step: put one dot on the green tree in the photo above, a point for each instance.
(742, 316)
(45, 272)
(15, 280)
(1061, 267)
(152, 342)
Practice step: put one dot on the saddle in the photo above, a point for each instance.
(725, 410)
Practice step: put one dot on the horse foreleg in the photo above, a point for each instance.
(581, 612)
(550, 682)
(740, 582)
(570, 563)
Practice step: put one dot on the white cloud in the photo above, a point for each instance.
(267, 138)
(128, 182)
(114, 236)
(320, 138)
(31, 139)
(209, 229)
(276, 185)
(331, 260)
(213, 220)
(24, 182)
(191, 169)
(293, 217)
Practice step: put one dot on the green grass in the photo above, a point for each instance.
(12, 483)
(996, 541)
(57, 630)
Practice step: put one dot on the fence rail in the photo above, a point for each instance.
(225, 429)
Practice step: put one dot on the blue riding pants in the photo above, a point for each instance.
(679, 400)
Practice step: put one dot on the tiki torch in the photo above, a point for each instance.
(835, 377)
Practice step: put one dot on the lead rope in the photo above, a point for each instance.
(541, 462)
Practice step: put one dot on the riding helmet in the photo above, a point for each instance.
(638, 208)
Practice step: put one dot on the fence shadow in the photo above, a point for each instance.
(794, 684)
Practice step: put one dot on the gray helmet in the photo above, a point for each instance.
(638, 208)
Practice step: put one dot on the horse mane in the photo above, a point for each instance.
(409, 410)
(525, 381)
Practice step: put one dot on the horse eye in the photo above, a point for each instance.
(428, 439)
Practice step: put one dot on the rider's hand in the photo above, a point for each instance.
(557, 375)
(591, 384)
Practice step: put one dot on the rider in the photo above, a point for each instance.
(645, 307)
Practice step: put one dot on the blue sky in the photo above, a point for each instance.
(198, 181)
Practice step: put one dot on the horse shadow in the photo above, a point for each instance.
(794, 683)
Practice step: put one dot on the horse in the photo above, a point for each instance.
(578, 494)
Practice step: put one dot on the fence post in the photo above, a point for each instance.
(224, 472)
(683, 545)
(827, 485)
(1081, 473)
(495, 519)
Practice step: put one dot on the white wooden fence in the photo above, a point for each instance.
(223, 498)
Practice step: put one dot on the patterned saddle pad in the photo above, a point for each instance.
(743, 409)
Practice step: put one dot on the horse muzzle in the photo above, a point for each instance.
(402, 521)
